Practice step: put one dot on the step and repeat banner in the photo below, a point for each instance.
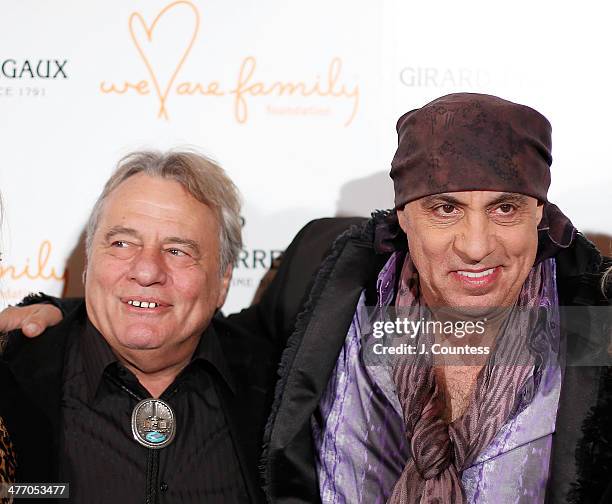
(298, 102)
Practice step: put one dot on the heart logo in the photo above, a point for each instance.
(160, 53)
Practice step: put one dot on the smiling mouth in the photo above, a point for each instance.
(146, 305)
(142, 304)
(476, 274)
(476, 281)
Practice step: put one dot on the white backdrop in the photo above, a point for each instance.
(297, 101)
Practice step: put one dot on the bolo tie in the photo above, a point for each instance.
(153, 423)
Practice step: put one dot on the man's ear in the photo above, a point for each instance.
(403, 219)
(225, 284)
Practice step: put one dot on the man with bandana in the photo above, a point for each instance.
(472, 231)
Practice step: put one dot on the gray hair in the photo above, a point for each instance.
(200, 176)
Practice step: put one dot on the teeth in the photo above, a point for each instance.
(480, 274)
(143, 304)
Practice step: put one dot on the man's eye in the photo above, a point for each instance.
(506, 208)
(119, 244)
(446, 209)
(176, 252)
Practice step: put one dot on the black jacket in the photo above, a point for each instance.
(31, 378)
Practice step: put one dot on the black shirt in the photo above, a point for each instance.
(104, 463)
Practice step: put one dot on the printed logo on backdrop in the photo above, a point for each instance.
(34, 273)
(22, 77)
(460, 78)
(444, 77)
(252, 263)
(164, 43)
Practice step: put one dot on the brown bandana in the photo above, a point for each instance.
(477, 142)
(464, 142)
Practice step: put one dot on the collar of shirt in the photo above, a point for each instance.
(98, 356)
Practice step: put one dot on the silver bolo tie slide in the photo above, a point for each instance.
(153, 423)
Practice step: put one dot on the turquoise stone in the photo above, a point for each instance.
(155, 437)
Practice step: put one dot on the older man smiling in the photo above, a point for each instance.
(155, 274)
(134, 398)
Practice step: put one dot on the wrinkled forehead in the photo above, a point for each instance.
(154, 191)
(155, 204)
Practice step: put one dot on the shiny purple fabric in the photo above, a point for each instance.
(359, 436)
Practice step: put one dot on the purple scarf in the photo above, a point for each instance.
(440, 451)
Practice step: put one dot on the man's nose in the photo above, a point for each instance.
(148, 267)
(475, 240)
